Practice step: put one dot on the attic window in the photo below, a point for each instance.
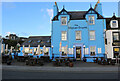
(64, 20)
(39, 41)
(114, 24)
(48, 41)
(91, 20)
(30, 41)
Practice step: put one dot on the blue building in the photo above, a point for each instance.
(78, 34)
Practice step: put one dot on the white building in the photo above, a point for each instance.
(112, 37)
(0, 44)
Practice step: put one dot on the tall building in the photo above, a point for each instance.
(78, 34)
(112, 37)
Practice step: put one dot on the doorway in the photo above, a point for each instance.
(78, 53)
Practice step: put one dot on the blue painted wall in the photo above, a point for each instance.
(21, 53)
(98, 27)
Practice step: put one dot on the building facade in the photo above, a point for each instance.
(78, 34)
(112, 37)
(0, 45)
(36, 46)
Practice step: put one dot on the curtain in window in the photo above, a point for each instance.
(64, 35)
(78, 35)
(92, 50)
(92, 35)
(63, 20)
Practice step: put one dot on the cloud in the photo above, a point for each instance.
(50, 13)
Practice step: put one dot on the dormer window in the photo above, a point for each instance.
(39, 41)
(91, 20)
(30, 41)
(114, 24)
(64, 20)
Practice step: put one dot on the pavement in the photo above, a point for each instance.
(81, 70)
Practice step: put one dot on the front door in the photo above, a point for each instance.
(78, 53)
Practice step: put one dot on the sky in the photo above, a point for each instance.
(34, 18)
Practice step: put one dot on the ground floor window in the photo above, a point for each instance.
(99, 50)
(70, 50)
(64, 51)
(86, 51)
(116, 51)
(47, 51)
(27, 50)
(92, 50)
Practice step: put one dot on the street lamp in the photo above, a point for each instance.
(84, 50)
(73, 49)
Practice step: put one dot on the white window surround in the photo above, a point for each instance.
(63, 20)
(91, 20)
(27, 50)
(70, 50)
(92, 35)
(115, 36)
(86, 51)
(99, 50)
(63, 35)
(92, 50)
(78, 35)
(64, 50)
(114, 24)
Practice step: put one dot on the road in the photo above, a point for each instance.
(8, 74)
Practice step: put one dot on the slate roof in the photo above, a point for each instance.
(76, 15)
(108, 22)
(34, 41)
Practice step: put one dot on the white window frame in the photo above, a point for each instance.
(116, 35)
(92, 50)
(47, 50)
(79, 38)
(27, 50)
(86, 51)
(65, 36)
(93, 17)
(63, 49)
(65, 20)
(70, 50)
(90, 35)
(99, 50)
(111, 24)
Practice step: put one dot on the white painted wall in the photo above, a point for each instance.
(109, 47)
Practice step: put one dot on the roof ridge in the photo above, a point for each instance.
(77, 11)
